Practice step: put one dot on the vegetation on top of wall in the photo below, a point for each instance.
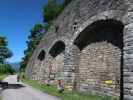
(50, 11)
(53, 8)
(34, 38)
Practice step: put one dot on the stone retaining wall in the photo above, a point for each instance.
(100, 62)
(76, 18)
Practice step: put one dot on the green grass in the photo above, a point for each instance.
(66, 95)
(2, 76)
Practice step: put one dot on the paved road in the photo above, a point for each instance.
(17, 91)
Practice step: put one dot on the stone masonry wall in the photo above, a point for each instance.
(81, 13)
(78, 11)
(52, 67)
(57, 64)
(71, 61)
(100, 62)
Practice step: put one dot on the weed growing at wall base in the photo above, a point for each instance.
(66, 95)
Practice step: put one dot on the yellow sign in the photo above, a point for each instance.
(108, 81)
(68, 88)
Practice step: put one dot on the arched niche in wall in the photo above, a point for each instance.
(103, 30)
(57, 48)
(41, 55)
(101, 46)
(57, 60)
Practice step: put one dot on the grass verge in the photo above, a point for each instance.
(66, 95)
(2, 76)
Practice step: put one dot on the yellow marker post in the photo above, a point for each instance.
(69, 88)
(109, 82)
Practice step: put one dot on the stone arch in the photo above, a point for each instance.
(109, 14)
(56, 60)
(38, 67)
(57, 48)
(101, 54)
(83, 38)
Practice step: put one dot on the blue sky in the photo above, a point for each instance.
(17, 17)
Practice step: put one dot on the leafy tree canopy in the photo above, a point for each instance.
(3, 41)
(34, 38)
(4, 51)
(6, 69)
(51, 10)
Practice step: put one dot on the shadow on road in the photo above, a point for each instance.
(12, 86)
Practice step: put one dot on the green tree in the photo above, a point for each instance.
(6, 68)
(3, 41)
(4, 51)
(4, 54)
(51, 10)
(34, 38)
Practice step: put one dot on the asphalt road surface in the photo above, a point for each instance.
(19, 91)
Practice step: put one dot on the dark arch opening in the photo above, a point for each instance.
(57, 48)
(41, 55)
(104, 30)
